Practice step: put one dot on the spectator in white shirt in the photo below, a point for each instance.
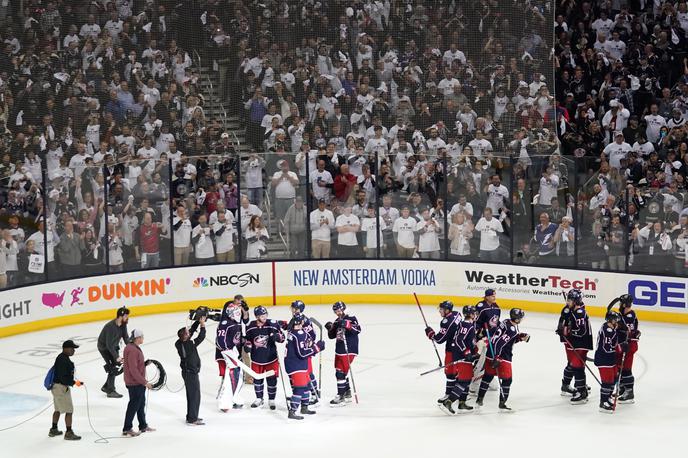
(654, 123)
(256, 235)
(549, 186)
(429, 231)
(347, 225)
(462, 206)
(321, 183)
(489, 229)
(321, 222)
(252, 178)
(480, 145)
(460, 232)
(246, 211)
(223, 229)
(182, 237)
(497, 195)
(202, 237)
(90, 29)
(404, 233)
(617, 150)
(371, 232)
(616, 119)
(284, 182)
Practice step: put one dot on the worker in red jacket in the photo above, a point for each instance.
(135, 380)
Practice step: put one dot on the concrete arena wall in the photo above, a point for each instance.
(537, 289)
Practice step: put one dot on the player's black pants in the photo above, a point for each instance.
(193, 395)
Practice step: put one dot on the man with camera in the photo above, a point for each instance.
(191, 365)
(108, 346)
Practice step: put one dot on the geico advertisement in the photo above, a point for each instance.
(133, 289)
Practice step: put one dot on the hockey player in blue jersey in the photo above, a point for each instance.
(228, 343)
(464, 353)
(487, 318)
(576, 333)
(499, 356)
(298, 307)
(346, 330)
(445, 335)
(606, 357)
(262, 334)
(629, 334)
(300, 347)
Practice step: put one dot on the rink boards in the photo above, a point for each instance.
(537, 289)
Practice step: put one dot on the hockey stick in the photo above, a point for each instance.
(317, 323)
(353, 382)
(247, 369)
(618, 382)
(449, 365)
(434, 345)
(284, 387)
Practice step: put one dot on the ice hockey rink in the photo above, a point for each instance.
(397, 414)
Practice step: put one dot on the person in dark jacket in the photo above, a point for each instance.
(63, 380)
(108, 346)
(191, 366)
(135, 380)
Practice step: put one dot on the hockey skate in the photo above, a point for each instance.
(347, 395)
(442, 399)
(306, 411)
(606, 407)
(567, 390)
(294, 416)
(338, 401)
(479, 402)
(257, 403)
(503, 408)
(446, 406)
(464, 408)
(581, 397)
(627, 397)
(271, 404)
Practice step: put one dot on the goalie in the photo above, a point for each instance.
(227, 354)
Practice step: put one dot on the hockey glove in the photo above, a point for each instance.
(328, 325)
(244, 306)
(429, 332)
(523, 337)
(635, 334)
(320, 346)
(471, 357)
(283, 324)
(346, 324)
(624, 347)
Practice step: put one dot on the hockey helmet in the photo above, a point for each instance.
(626, 300)
(298, 305)
(447, 305)
(298, 319)
(575, 295)
(260, 310)
(612, 316)
(468, 310)
(339, 305)
(516, 314)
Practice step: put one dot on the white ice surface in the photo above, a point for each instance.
(397, 415)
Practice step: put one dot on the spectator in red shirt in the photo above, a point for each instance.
(344, 185)
(148, 246)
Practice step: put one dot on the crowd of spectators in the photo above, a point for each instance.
(404, 128)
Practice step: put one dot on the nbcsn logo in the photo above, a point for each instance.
(200, 282)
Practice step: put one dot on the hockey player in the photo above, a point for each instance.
(299, 349)
(448, 325)
(605, 359)
(576, 333)
(262, 334)
(487, 318)
(346, 330)
(628, 338)
(297, 307)
(464, 353)
(228, 344)
(499, 355)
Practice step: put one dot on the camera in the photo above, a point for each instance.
(203, 311)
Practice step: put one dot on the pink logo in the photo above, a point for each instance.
(52, 300)
(76, 292)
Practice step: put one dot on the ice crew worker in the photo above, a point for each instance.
(108, 346)
(191, 366)
(63, 380)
